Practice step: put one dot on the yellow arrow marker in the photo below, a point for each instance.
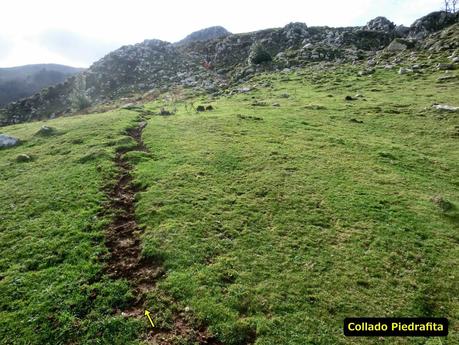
(147, 314)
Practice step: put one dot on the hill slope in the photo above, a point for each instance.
(24, 81)
(267, 220)
(213, 65)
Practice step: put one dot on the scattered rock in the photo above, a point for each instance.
(445, 66)
(404, 70)
(350, 98)
(249, 117)
(276, 105)
(366, 72)
(284, 95)
(396, 46)
(259, 104)
(8, 141)
(314, 107)
(446, 78)
(209, 108)
(455, 59)
(129, 106)
(157, 65)
(46, 131)
(356, 121)
(446, 108)
(23, 158)
(244, 89)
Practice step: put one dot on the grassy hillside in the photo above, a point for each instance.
(52, 286)
(272, 223)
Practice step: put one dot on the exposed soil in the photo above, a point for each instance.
(125, 260)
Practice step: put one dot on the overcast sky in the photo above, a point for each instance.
(79, 32)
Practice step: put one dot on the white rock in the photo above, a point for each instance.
(404, 70)
(244, 89)
(445, 107)
(396, 46)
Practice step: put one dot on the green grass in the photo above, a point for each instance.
(52, 287)
(282, 222)
(273, 223)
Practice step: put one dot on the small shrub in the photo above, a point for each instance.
(78, 98)
(258, 54)
(164, 112)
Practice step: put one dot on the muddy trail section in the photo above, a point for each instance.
(123, 240)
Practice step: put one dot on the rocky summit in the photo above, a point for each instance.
(205, 35)
(212, 59)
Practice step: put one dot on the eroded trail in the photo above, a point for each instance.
(125, 260)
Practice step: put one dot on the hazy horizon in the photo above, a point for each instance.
(79, 33)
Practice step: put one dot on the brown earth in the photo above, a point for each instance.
(125, 260)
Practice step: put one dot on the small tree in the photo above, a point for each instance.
(446, 5)
(78, 98)
(258, 54)
(450, 6)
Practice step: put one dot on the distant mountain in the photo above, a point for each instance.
(24, 81)
(205, 35)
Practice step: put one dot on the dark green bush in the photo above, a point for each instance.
(258, 54)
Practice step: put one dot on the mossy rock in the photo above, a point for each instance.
(22, 158)
(46, 131)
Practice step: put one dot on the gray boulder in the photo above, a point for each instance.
(46, 131)
(445, 66)
(446, 108)
(401, 44)
(432, 22)
(380, 24)
(396, 46)
(404, 70)
(23, 158)
(8, 141)
(296, 31)
(402, 30)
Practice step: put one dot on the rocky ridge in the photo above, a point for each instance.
(212, 65)
(205, 35)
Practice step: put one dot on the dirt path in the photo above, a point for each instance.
(125, 261)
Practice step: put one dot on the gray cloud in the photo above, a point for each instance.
(76, 47)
